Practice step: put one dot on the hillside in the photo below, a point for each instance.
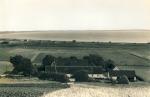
(125, 55)
(121, 56)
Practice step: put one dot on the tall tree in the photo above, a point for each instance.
(109, 66)
(47, 60)
(21, 64)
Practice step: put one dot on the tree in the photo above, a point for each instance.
(72, 61)
(47, 60)
(94, 60)
(81, 76)
(27, 66)
(109, 65)
(123, 79)
(73, 41)
(16, 62)
(21, 64)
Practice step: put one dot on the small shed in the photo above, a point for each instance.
(119, 73)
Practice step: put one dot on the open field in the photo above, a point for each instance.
(27, 87)
(103, 90)
(131, 56)
(120, 56)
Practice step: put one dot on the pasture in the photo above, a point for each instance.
(122, 54)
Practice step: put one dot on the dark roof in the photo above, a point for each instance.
(128, 73)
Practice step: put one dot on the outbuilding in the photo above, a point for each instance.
(119, 73)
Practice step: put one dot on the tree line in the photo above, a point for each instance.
(24, 65)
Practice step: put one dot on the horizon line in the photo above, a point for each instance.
(76, 30)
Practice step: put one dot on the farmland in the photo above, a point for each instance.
(125, 55)
(27, 87)
(120, 56)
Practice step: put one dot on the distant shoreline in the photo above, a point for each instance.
(101, 42)
(115, 36)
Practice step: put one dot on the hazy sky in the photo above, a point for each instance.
(74, 14)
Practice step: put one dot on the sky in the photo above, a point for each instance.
(16, 15)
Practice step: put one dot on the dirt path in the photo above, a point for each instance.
(34, 57)
(82, 90)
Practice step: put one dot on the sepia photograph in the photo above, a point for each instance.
(74, 48)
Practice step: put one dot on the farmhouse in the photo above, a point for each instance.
(119, 73)
(96, 73)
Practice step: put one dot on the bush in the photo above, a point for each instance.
(44, 76)
(81, 76)
(123, 80)
(60, 77)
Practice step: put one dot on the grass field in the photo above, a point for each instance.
(27, 87)
(103, 90)
(121, 56)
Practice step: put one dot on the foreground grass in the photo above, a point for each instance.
(104, 90)
(28, 88)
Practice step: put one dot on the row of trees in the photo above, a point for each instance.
(24, 65)
(90, 60)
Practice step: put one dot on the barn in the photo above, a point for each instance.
(119, 73)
